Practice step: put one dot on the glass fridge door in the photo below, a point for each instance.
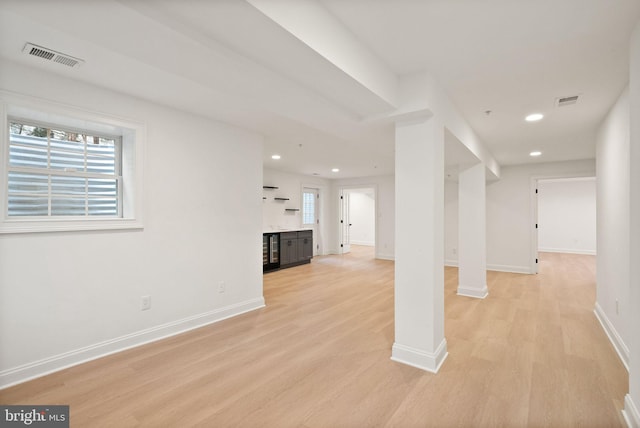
(274, 249)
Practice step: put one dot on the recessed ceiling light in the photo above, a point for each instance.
(534, 117)
(335, 170)
(276, 157)
(534, 154)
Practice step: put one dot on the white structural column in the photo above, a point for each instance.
(419, 265)
(632, 400)
(472, 232)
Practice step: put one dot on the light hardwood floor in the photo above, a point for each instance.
(531, 354)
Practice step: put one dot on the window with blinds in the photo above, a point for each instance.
(64, 173)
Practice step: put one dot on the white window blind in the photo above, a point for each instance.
(56, 172)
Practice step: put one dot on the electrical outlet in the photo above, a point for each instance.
(221, 287)
(454, 251)
(145, 303)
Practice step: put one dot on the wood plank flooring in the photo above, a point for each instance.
(530, 354)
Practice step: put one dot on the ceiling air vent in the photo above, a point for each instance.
(51, 55)
(566, 101)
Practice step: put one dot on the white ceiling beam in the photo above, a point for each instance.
(419, 92)
(312, 24)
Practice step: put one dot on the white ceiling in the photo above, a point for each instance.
(227, 60)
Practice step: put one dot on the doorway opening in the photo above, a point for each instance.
(564, 217)
(358, 220)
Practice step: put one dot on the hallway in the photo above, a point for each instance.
(533, 350)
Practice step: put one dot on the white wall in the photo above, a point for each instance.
(618, 229)
(362, 216)
(290, 185)
(509, 213)
(70, 296)
(567, 215)
(385, 214)
(613, 169)
(450, 223)
(510, 219)
(274, 216)
(632, 400)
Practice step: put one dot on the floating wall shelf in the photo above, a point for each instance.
(291, 209)
(280, 199)
(270, 187)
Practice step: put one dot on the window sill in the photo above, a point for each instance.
(38, 226)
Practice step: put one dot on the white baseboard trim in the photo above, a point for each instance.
(567, 251)
(612, 334)
(499, 268)
(428, 361)
(385, 256)
(511, 269)
(630, 413)
(365, 243)
(59, 362)
(473, 292)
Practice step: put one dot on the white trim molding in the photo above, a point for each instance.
(451, 263)
(385, 256)
(567, 251)
(473, 292)
(428, 361)
(612, 334)
(510, 269)
(630, 413)
(59, 362)
(365, 243)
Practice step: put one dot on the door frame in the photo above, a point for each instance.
(351, 187)
(533, 219)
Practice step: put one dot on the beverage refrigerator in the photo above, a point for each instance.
(270, 251)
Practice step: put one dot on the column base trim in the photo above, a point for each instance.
(473, 292)
(630, 413)
(510, 269)
(428, 361)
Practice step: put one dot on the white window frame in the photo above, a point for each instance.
(315, 208)
(50, 173)
(132, 135)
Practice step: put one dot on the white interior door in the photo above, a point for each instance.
(311, 216)
(345, 225)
